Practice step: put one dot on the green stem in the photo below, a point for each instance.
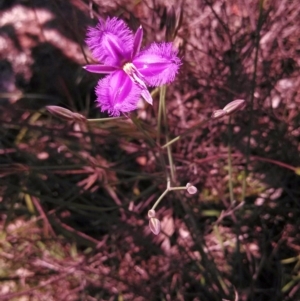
(187, 132)
(160, 158)
(171, 142)
(177, 188)
(169, 188)
(162, 101)
(160, 198)
(230, 182)
(163, 194)
(138, 125)
(105, 119)
(258, 28)
(159, 120)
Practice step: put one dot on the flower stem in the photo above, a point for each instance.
(105, 119)
(185, 133)
(230, 182)
(171, 142)
(253, 87)
(137, 123)
(159, 157)
(169, 188)
(159, 121)
(163, 194)
(177, 188)
(162, 101)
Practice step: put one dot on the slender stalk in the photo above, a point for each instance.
(163, 194)
(160, 198)
(138, 125)
(162, 101)
(171, 142)
(177, 188)
(230, 182)
(258, 28)
(152, 144)
(186, 132)
(169, 188)
(105, 119)
(159, 117)
(171, 163)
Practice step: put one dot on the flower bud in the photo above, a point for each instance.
(234, 106)
(151, 213)
(218, 114)
(172, 20)
(65, 113)
(60, 112)
(170, 23)
(154, 225)
(79, 117)
(191, 189)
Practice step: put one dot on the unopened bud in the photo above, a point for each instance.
(79, 117)
(170, 23)
(60, 112)
(154, 225)
(172, 20)
(65, 113)
(191, 189)
(218, 114)
(234, 106)
(151, 213)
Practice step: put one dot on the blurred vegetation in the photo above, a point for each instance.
(74, 196)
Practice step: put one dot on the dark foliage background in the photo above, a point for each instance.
(74, 197)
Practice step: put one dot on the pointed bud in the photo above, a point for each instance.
(218, 114)
(191, 189)
(65, 113)
(154, 225)
(172, 20)
(234, 106)
(151, 213)
(60, 112)
(78, 117)
(170, 23)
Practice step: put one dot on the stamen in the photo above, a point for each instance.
(139, 80)
(129, 68)
(135, 75)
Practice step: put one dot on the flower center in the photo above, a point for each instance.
(138, 79)
(129, 68)
(134, 74)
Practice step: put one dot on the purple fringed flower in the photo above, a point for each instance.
(129, 69)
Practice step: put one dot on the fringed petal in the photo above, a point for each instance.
(117, 93)
(110, 35)
(114, 48)
(158, 64)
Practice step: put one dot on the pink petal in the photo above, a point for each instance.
(114, 48)
(147, 96)
(101, 46)
(158, 64)
(117, 93)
